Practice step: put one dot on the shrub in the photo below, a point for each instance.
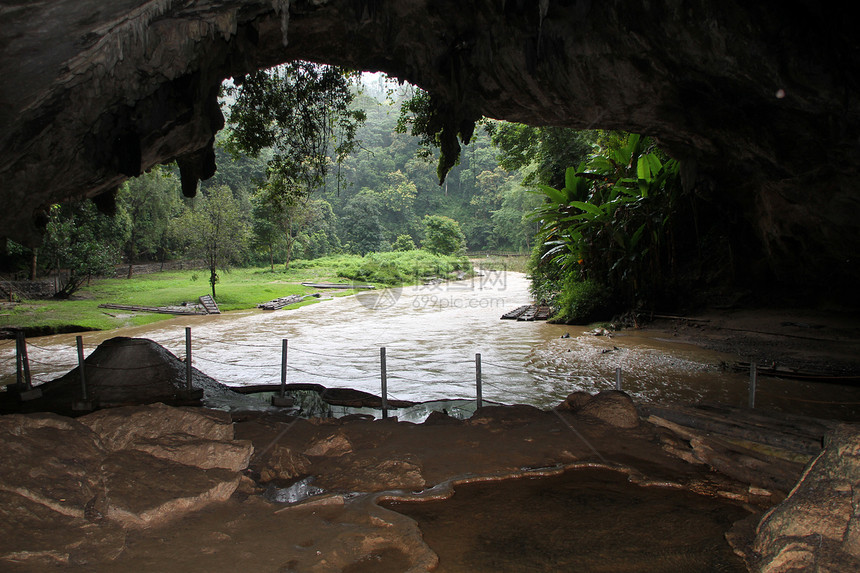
(443, 236)
(403, 243)
(582, 301)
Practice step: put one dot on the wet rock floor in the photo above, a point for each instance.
(586, 520)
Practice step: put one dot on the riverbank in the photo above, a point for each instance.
(237, 289)
(826, 342)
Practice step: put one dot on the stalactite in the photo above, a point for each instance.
(543, 8)
(282, 8)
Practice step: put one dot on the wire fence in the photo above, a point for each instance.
(362, 367)
(471, 375)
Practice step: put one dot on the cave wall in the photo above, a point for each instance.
(759, 101)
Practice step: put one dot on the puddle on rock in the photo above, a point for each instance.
(298, 491)
(582, 520)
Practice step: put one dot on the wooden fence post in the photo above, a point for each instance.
(618, 379)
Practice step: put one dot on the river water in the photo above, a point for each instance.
(431, 334)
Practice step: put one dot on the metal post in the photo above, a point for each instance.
(478, 389)
(284, 344)
(25, 388)
(618, 379)
(188, 384)
(84, 404)
(752, 384)
(281, 399)
(19, 361)
(79, 340)
(28, 382)
(384, 379)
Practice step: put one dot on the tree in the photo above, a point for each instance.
(512, 226)
(361, 226)
(403, 243)
(288, 210)
(214, 230)
(548, 149)
(301, 111)
(443, 236)
(149, 202)
(320, 236)
(83, 242)
(267, 236)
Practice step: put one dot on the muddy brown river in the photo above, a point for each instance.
(431, 334)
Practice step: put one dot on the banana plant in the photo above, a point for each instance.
(611, 215)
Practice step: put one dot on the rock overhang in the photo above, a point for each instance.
(757, 101)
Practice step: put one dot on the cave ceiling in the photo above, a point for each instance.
(757, 99)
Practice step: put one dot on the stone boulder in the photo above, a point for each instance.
(50, 460)
(336, 444)
(817, 527)
(354, 473)
(68, 488)
(610, 406)
(125, 371)
(118, 428)
(163, 490)
(574, 401)
(34, 536)
(190, 436)
(284, 463)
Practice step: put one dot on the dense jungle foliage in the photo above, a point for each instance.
(599, 211)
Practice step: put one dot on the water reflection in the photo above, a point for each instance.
(431, 334)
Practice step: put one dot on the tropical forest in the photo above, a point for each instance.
(319, 162)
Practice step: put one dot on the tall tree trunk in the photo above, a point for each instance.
(33, 264)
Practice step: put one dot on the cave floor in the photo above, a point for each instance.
(367, 467)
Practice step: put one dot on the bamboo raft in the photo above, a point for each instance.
(528, 312)
(283, 301)
(338, 285)
(177, 310)
(206, 302)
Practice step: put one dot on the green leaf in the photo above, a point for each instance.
(570, 179)
(588, 208)
(554, 195)
(637, 235)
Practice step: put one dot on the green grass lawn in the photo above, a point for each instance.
(236, 290)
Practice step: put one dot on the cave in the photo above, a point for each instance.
(758, 101)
